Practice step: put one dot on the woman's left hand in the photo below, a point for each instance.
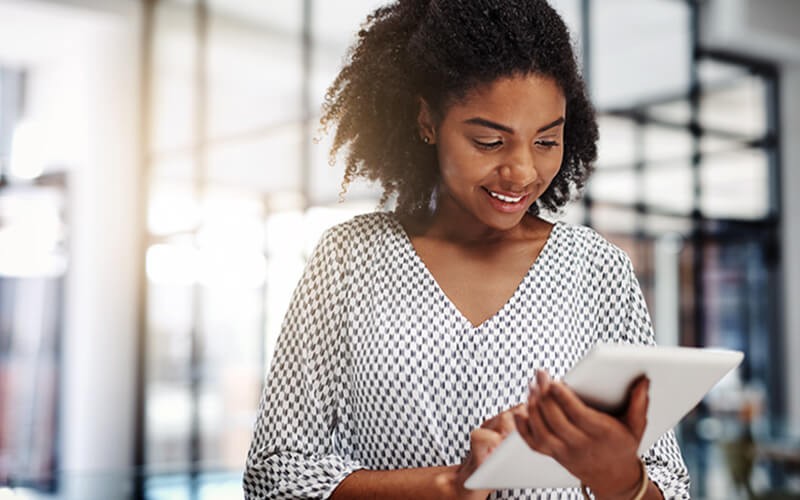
(597, 448)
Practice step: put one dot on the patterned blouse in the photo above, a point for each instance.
(376, 368)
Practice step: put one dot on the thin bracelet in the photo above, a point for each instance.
(639, 493)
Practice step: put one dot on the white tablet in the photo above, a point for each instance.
(679, 378)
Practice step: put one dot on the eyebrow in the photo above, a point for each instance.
(497, 126)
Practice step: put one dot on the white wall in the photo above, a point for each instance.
(82, 59)
(102, 305)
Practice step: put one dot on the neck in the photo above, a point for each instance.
(449, 221)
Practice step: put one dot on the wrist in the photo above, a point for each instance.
(457, 490)
(630, 490)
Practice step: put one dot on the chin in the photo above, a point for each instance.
(504, 222)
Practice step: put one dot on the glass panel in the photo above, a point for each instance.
(717, 73)
(280, 17)
(172, 209)
(33, 263)
(657, 225)
(734, 185)
(677, 112)
(255, 78)
(174, 167)
(171, 272)
(664, 143)
(613, 220)
(617, 144)
(269, 162)
(231, 375)
(627, 37)
(617, 185)
(711, 145)
(172, 109)
(30, 325)
(735, 108)
(669, 187)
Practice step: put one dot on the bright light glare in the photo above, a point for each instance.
(223, 231)
(183, 265)
(29, 238)
(172, 212)
(226, 268)
(171, 264)
(27, 151)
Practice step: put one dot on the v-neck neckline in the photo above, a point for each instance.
(543, 253)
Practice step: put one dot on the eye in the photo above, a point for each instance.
(547, 144)
(488, 145)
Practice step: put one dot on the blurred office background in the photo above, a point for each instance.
(163, 178)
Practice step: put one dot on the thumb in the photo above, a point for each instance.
(635, 417)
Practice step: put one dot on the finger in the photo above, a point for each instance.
(506, 424)
(635, 417)
(558, 422)
(482, 442)
(520, 416)
(589, 420)
(502, 422)
(542, 438)
(543, 380)
(528, 434)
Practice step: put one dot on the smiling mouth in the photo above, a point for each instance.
(505, 198)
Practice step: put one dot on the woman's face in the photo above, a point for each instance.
(499, 148)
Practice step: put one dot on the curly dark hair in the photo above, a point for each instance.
(440, 50)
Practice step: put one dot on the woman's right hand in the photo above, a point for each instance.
(482, 442)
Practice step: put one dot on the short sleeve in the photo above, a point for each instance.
(664, 462)
(292, 453)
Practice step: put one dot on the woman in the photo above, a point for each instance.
(407, 351)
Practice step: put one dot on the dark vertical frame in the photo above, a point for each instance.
(774, 259)
(697, 234)
(306, 114)
(586, 48)
(148, 11)
(200, 161)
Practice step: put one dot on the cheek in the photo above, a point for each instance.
(458, 163)
(553, 166)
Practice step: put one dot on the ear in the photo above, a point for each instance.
(425, 122)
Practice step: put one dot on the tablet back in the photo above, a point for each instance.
(679, 378)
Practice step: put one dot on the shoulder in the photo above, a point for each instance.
(584, 244)
(355, 235)
(363, 226)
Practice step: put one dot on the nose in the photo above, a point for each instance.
(519, 169)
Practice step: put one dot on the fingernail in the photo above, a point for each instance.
(541, 378)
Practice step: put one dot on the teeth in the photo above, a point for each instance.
(507, 199)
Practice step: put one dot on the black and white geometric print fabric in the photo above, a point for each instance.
(375, 368)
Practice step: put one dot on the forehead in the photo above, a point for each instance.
(512, 99)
